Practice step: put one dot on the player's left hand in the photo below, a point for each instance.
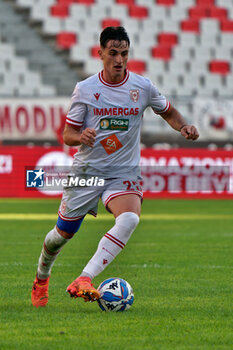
(189, 132)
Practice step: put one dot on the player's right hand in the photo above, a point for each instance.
(88, 137)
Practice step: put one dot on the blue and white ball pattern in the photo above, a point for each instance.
(116, 294)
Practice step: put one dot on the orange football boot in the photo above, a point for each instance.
(40, 294)
(82, 287)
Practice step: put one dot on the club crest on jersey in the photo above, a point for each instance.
(134, 95)
(97, 95)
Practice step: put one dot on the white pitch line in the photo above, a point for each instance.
(34, 217)
(133, 266)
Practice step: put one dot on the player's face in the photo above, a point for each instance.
(115, 57)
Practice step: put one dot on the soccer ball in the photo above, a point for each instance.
(116, 294)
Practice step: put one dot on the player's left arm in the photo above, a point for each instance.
(177, 122)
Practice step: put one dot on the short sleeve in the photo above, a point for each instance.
(77, 110)
(158, 102)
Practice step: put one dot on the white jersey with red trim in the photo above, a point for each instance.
(115, 111)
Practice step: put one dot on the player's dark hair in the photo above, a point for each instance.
(113, 33)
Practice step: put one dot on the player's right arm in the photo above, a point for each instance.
(74, 136)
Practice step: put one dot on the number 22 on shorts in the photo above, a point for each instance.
(132, 185)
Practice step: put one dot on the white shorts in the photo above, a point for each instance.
(77, 202)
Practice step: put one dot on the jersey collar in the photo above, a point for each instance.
(126, 77)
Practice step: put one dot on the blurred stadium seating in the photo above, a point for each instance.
(192, 38)
(184, 46)
(28, 65)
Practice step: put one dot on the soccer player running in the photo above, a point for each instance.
(104, 121)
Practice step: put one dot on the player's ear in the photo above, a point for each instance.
(100, 52)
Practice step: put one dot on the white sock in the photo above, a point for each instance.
(111, 244)
(52, 246)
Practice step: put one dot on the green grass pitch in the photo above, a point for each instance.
(179, 262)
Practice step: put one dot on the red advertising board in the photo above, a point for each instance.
(31, 119)
(179, 173)
(187, 173)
